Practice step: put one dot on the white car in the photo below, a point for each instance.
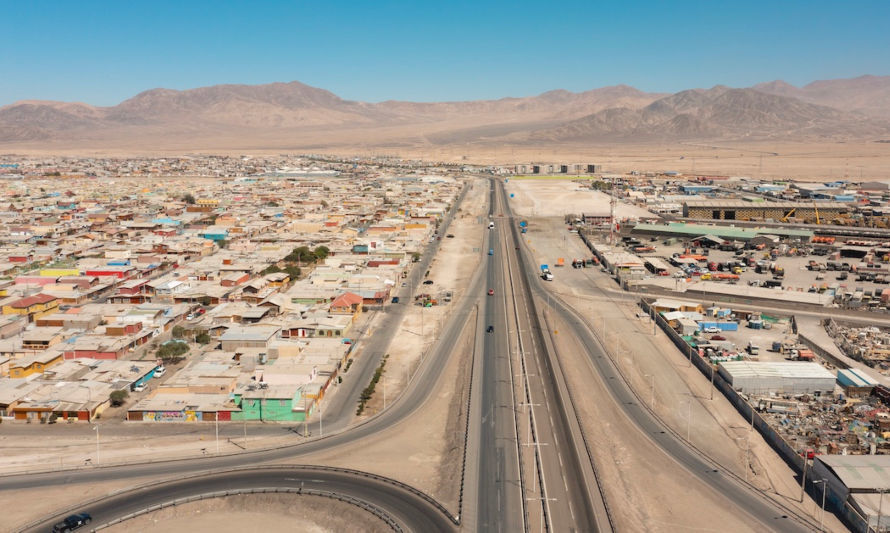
(159, 371)
(139, 388)
(712, 329)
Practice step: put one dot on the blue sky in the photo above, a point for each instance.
(104, 52)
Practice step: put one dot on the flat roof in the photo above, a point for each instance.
(742, 204)
(724, 232)
(860, 472)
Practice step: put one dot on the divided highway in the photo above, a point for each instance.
(533, 469)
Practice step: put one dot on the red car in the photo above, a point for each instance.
(491, 292)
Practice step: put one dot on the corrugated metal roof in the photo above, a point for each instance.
(860, 472)
(725, 232)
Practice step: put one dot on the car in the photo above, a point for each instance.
(160, 371)
(718, 338)
(190, 317)
(449, 236)
(395, 299)
(427, 282)
(139, 388)
(491, 292)
(75, 521)
(712, 329)
(489, 329)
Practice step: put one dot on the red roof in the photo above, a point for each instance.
(346, 299)
(32, 300)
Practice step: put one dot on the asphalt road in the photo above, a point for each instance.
(499, 495)
(404, 506)
(530, 469)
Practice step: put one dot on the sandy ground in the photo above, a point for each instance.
(716, 427)
(550, 197)
(257, 513)
(450, 270)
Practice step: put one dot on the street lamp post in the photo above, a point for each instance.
(824, 483)
(747, 448)
(652, 383)
(96, 427)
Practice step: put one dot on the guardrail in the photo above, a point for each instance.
(463, 466)
(365, 506)
(348, 471)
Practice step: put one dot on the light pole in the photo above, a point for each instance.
(747, 447)
(878, 527)
(216, 418)
(824, 483)
(652, 382)
(96, 427)
(689, 419)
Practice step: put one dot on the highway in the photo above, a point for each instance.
(531, 472)
(404, 506)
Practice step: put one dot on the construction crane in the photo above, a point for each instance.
(816, 209)
(788, 214)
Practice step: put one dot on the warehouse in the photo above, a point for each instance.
(858, 481)
(825, 212)
(784, 377)
(731, 233)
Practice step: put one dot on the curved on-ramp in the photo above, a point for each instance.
(395, 502)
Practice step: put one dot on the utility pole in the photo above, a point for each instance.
(96, 427)
(612, 217)
(216, 418)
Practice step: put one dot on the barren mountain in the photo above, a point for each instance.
(294, 115)
(719, 112)
(869, 95)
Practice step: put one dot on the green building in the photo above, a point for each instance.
(279, 403)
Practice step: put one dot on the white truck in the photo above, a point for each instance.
(546, 275)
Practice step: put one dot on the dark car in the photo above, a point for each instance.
(490, 329)
(428, 282)
(75, 521)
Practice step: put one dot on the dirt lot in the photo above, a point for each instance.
(256, 513)
(556, 197)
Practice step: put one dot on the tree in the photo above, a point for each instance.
(118, 397)
(178, 332)
(321, 252)
(293, 271)
(188, 198)
(415, 256)
(271, 269)
(172, 351)
(202, 338)
(222, 243)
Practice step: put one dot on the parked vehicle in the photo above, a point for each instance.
(160, 371)
(712, 329)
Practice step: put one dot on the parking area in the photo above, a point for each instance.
(808, 268)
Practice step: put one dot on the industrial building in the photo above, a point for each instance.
(766, 377)
(730, 233)
(825, 212)
(860, 481)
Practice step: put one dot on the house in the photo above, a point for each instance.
(247, 337)
(33, 307)
(34, 364)
(347, 303)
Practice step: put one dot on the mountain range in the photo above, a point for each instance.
(295, 115)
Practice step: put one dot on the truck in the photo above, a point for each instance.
(491, 251)
(545, 273)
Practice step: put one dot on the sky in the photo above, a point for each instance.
(102, 53)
